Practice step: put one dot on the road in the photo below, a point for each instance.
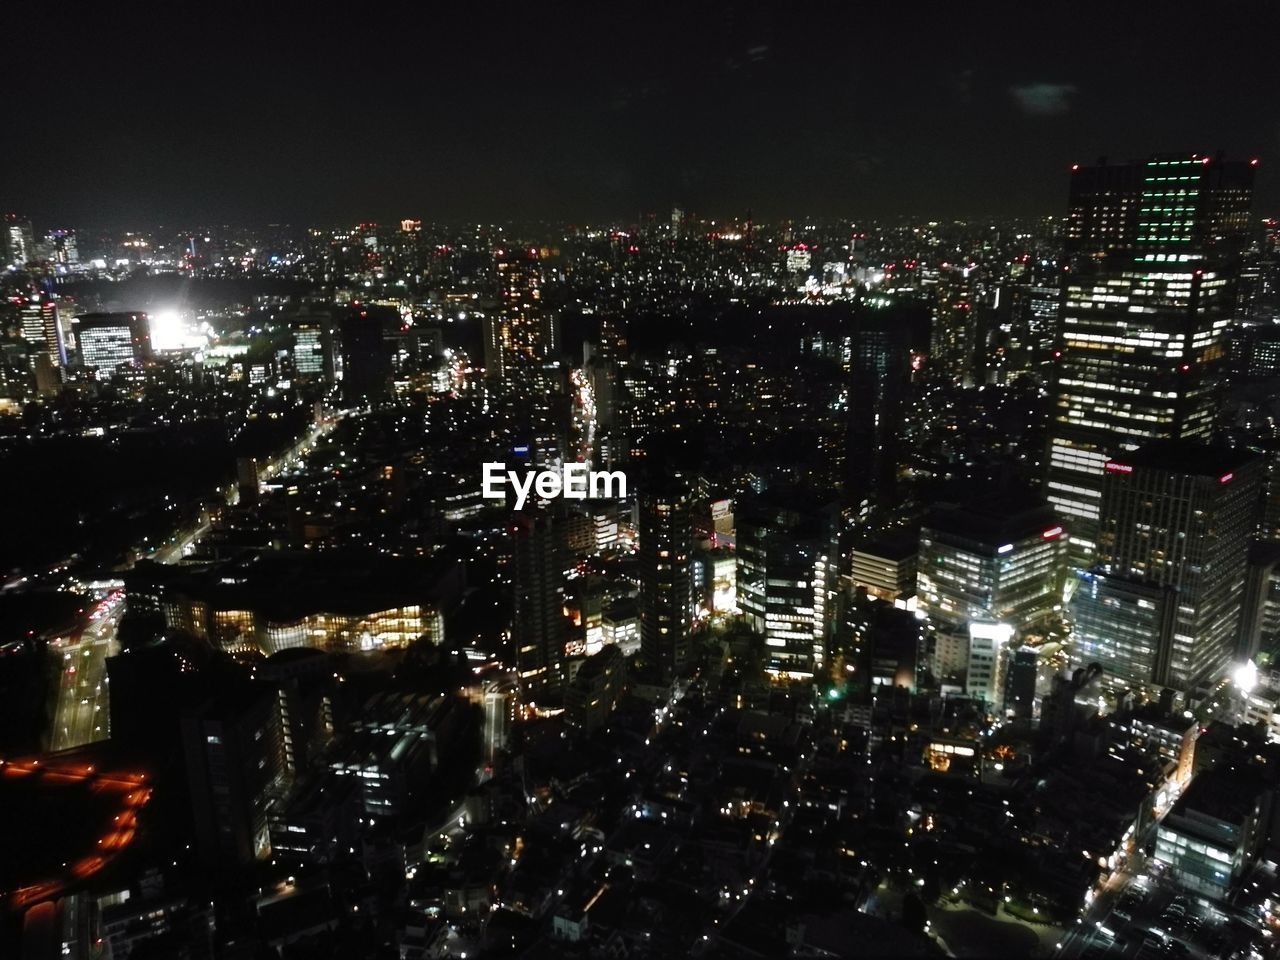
(184, 540)
(81, 715)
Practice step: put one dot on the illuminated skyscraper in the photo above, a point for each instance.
(42, 331)
(787, 565)
(62, 246)
(106, 340)
(1162, 606)
(313, 348)
(524, 333)
(1146, 304)
(17, 242)
(666, 538)
(990, 562)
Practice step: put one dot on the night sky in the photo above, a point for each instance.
(608, 111)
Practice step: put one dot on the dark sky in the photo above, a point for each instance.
(481, 110)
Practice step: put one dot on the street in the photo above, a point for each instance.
(81, 715)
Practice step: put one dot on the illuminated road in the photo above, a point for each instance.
(184, 540)
(133, 793)
(81, 714)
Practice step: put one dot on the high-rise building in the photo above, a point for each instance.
(987, 666)
(104, 341)
(247, 480)
(236, 770)
(1147, 299)
(524, 333)
(62, 246)
(885, 566)
(666, 591)
(42, 330)
(880, 355)
(996, 561)
(1162, 608)
(539, 629)
(17, 241)
(787, 566)
(954, 340)
(366, 359)
(313, 357)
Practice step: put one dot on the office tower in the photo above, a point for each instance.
(236, 769)
(62, 246)
(1162, 608)
(104, 341)
(1260, 613)
(1029, 306)
(43, 331)
(313, 348)
(786, 570)
(366, 360)
(954, 340)
(538, 628)
(17, 241)
(992, 561)
(987, 663)
(880, 366)
(1147, 298)
(1020, 683)
(524, 333)
(666, 538)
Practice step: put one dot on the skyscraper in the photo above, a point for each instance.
(524, 333)
(106, 340)
(666, 537)
(538, 627)
(366, 359)
(995, 561)
(42, 331)
(1162, 606)
(235, 762)
(313, 347)
(1146, 305)
(880, 355)
(786, 570)
(17, 241)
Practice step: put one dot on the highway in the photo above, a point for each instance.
(81, 715)
(184, 540)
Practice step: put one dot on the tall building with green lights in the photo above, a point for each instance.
(1147, 298)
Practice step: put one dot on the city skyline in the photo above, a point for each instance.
(717, 483)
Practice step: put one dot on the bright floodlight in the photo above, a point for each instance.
(1245, 677)
(167, 330)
